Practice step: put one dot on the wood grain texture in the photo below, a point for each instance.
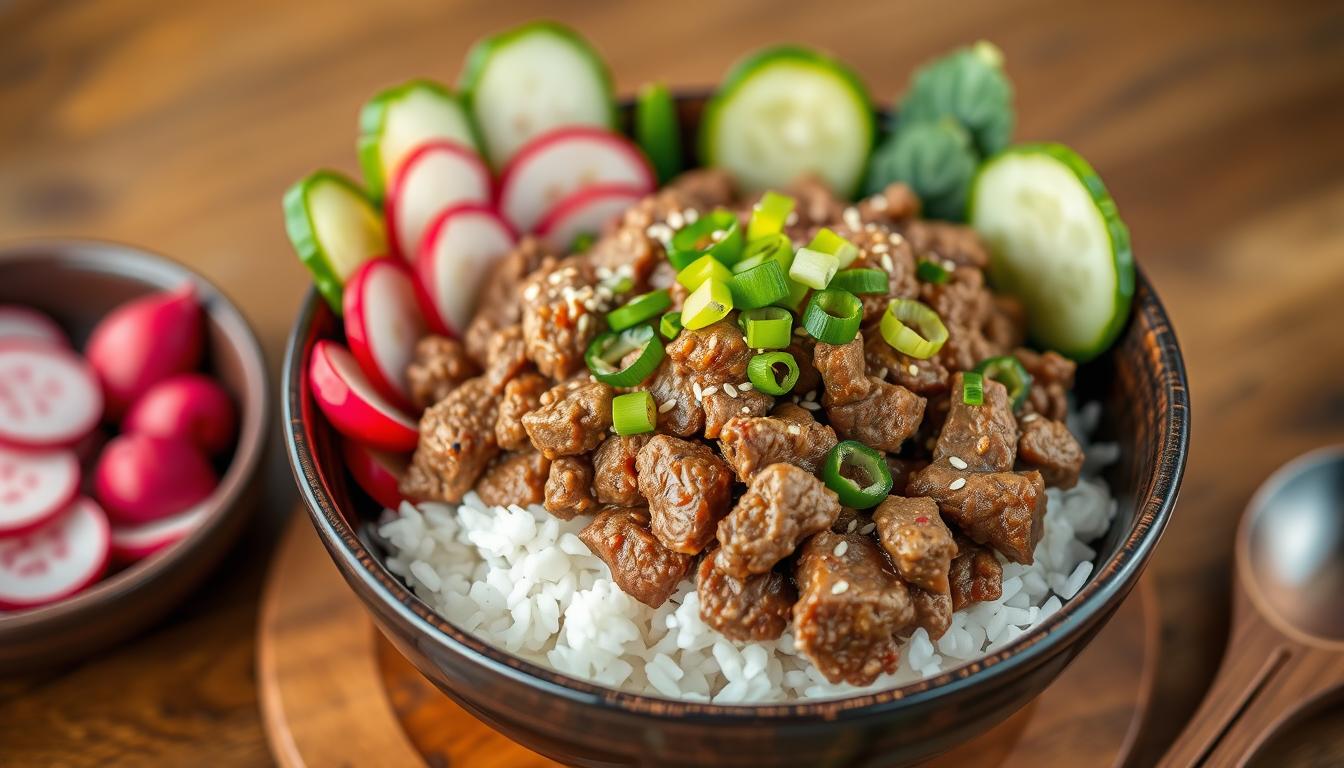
(178, 125)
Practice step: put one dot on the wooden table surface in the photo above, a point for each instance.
(1218, 126)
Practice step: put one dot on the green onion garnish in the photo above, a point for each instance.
(827, 241)
(767, 327)
(716, 233)
(769, 215)
(973, 388)
(639, 346)
(704, 268)
(582, 242)
(759, 286)
(773, 373)
(708, 304)
(860, 281)
(858, 474)
(813, 268)
(639, 309)
(1008, 371)
(670, 325)
(833, 316)
(912, 328)
(777, 247)
(931, 272)
(797, 295)
(633, 413)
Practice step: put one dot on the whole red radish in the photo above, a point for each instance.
(144, 342)
(191, 406)
(141, 477)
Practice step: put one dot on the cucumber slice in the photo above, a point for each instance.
(784, 112)
(396, 121)
(657, 130)
(524, 82)
(334, 228)
(1058, 244)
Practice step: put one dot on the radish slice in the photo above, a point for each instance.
(586, 211)
(459, 248)
(27, 324)
(136, 542)
(554, 165)
(435, 177)
(382, 325)
(34, 487)
(48, 396)
(56, 560)
(377, 472)
(352, 404)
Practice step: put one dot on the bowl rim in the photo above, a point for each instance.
(157, 271)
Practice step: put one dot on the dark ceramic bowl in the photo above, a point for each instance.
(1141, 382)
(77, 283)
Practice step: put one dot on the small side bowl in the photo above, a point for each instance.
(77, 283)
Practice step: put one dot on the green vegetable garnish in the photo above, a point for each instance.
(769, 215)
(633, 413)
(639, 309)
(608, 351)
(858, 474)
(760, 286)
(833, 316)
(670, 325)
(912, 328)
(708, 304)
(1008, 371)
(973, 388)
(936, 158)
(767, 327)
(968, 85)
(764, 372)
(716, 233)
(863, 280)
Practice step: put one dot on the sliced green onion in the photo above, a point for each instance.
(633, 413)
(769, 215)
(639, 309)
(716, 233)
(582, 242)
(827, 241)
(1008, 371)
(797, 295)
(912, 328)
(777, 247)
(708, 304)
(620, 285)
(610, 351)
(833, 316)
(767, 327)
(860, 281)
(760, 286)
(931, 272)
(764, 371)
(858, 474)
(670, 325)
(704, 268)
(813, 268)
(973, 388)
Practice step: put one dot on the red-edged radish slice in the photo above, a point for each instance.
(455, 256)
(48, 396)
(382, 324)
(438, 175)
(587, 210)
(352, 404)
(34, 487)
(28, 324)
(136, 542)
(552, 166)
(57, 560)
(378, 472)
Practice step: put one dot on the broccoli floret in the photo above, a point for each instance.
(935, 158)
(969, 85)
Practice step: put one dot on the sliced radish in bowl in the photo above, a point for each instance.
(382, 324)
(22, 323)
(586, 211)
(35, 486)
(136, 542)
(352, 404)
(55, 561)
(436, 176)
(552, 166)
(456, 254)
(48, 396)
(377, 472)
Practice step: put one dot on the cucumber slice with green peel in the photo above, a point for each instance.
(658, 131)
(396, 121)
(1058, 244)
(530, 80)
(785, 112)
(334, 229)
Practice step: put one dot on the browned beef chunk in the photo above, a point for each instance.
(894, 204)
(711, 355)
(758, 608)
(720, 407)
(889, 252)
(688, 488)
(933, 610)
(790, 435)
(685, 417)
(1001, 509)
(941, 241)
(1049, 447)
(802, 349)
(842, 371)
(902, 470)
(1006, 326)
(817, 206)
(852, 520)
(984, 436)
(569, 487)
(919, 542)
(850, 607)
(573, 418)
(783, 505)
(506, 356)
(438, 367)
(457, 441)
(556, 301)
(615, 480)
(641, 566)
(882, 420)
(498, 305)
(514, 478)
(965, 305)
(976, 575)
(708, 359)
(923, 377)
(1051, 379)
(521, 395)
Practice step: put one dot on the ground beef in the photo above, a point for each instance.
(896, 203)
(573, 418)
(842, 371)
(506, 356)
(438, 367)
(790, 434)
(976, 575)
(783, 505)
(882, 420)
(902, 470)
(919, 542)
(514, 478)
(923, 377)
(498, 305)
(933, 610)
(711, 355)
(1001, 509)
(641, 566)
(889, 252)
(457, 441)
(942, 241)
(688, 488)
(686, 417)
(615, 479)
(852, 520)
(816, 206)
(1050, 448)
(1006, 326)
(964, 303)
(719, 407)
(984, 436)
(755, 609)
(1051, 379)
(561, 315)
(521, 396)
(568, 491)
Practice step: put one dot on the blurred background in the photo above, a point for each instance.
(1217, 126)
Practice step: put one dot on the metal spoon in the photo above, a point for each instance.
(1287, 645)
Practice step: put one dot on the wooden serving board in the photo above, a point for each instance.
(334, 692)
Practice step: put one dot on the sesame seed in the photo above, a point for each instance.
(810, 396)
(531, 291)
(949, 265)
(880, 248)
(913, 369)
(1029, 417)
(895, 238)
(697, 391)
(744, 386)
(879, 202)
(745, 409)
(675, 220)
(867, 529)
(584, 322)
(842, 547)
(730, 389)
(667, 405)
(794, 429)
(691, 215)
(811, 406)
(791, 219)
(840, 587)
(852, 525)
(800, 331)
(882, 373)
(957, 462)
(957, 484)
(554, 278)
(887, 263)
(711, 390)
(716, 235)
(852, 218)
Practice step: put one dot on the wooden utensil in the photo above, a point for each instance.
(1287, 646)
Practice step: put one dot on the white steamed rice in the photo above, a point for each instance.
(523, 581)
